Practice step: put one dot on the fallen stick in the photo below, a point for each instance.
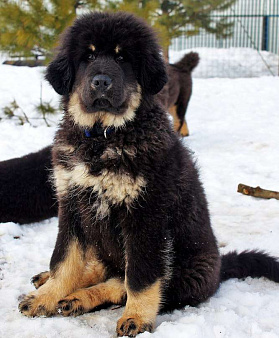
(257, 192)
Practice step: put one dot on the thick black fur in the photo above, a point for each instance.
(41, 202)
(20, 180)
(174, 206)
(249, 263)
(148, 66)
(165, 234)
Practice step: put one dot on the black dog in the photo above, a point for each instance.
(26, 193)
(176, 94)
(133, 219)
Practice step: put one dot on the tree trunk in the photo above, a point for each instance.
(166, 54)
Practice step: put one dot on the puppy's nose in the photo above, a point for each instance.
(101, 82)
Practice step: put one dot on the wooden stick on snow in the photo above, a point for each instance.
(257, 192)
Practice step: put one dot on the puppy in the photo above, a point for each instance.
(134, 225)
(26, 193)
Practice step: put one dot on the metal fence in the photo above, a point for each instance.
(254, 44)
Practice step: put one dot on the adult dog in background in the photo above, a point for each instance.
(176, 94)
(134, 225)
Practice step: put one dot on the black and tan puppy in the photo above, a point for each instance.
(26, 193)
(133, 220)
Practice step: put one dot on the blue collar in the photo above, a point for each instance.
(98, 130)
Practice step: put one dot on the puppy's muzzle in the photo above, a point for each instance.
(101, 83)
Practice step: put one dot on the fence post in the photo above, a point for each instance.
(265, 35)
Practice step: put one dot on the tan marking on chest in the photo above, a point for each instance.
(111, 188)
(61, 179)
(116, 187)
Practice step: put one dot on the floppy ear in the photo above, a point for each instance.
(153, 75)
(60, 73)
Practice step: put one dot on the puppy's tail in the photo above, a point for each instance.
(249, 263)
(188, 62)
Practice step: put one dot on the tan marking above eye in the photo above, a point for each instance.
(92, 47)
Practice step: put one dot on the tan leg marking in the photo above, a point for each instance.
(94, 271)
(140, 312)
(40, 279)
(184, 131)
(176, 121)
(64, 280)
(84, 300)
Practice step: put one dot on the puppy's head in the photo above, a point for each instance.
(105, 62)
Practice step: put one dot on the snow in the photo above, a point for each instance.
(231, 62)
(234, 136)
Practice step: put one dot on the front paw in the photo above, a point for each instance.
(132, 326)
(33, 305)
(70, 307)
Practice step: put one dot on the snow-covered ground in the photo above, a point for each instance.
(234, 126)
(231, 62)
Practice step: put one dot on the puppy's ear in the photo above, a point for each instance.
(153, 75)
(60, 74)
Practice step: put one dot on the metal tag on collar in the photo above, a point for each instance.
(108, 130)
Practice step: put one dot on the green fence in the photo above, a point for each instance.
(255, 26)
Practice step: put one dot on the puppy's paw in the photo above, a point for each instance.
(70, 306)
(26, 304)
(34, 305)
(132, 326)
(40, 279)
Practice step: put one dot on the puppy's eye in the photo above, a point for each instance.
(90, 57)
(119, 58)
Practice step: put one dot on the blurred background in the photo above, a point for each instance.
(235, 38)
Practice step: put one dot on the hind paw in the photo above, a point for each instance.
(40, 279)
(70, 307)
